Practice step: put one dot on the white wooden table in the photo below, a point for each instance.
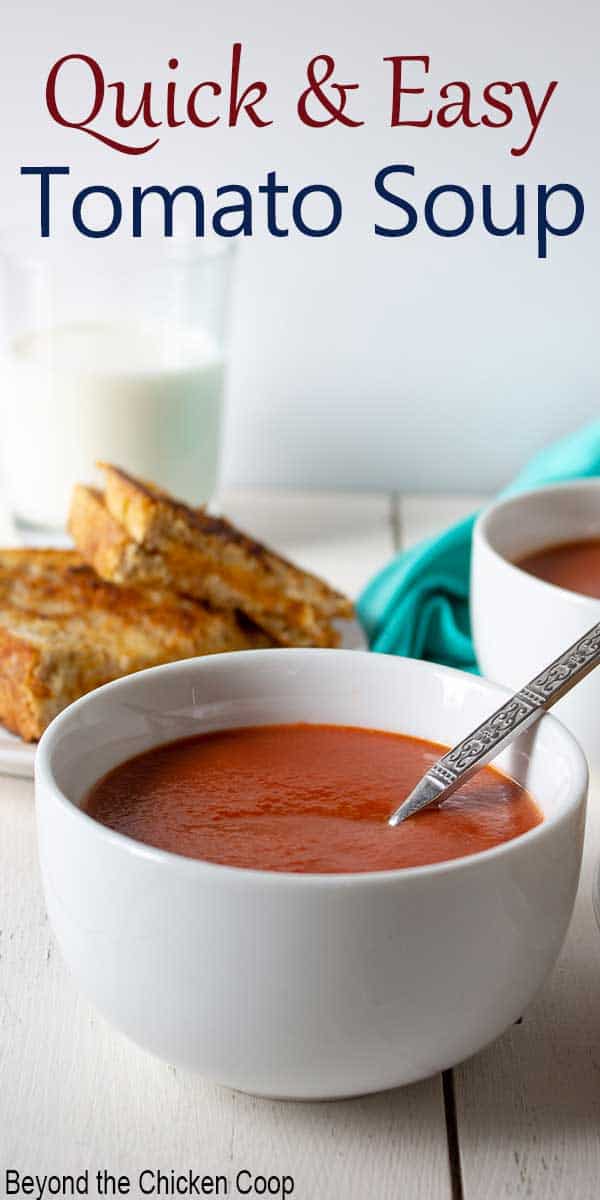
(521, 1119)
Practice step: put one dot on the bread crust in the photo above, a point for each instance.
(100, 539)
(21, 697)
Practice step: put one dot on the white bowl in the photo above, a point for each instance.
(304, 986)
(520, 622)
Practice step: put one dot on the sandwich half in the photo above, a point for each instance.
(64, 631)
(135, 533)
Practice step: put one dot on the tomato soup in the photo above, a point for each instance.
(571, 565)
(304, 798)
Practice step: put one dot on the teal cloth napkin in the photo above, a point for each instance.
(418, 605)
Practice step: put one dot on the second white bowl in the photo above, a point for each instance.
(520, 622)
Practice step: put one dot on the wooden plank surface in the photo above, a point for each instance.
(420, 516)
(529, 1106)
(343, 536)
(74, 1094)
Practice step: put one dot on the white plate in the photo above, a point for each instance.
(18, 757)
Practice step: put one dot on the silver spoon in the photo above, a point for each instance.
(505, 724)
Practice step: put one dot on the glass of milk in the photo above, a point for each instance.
(114, 351)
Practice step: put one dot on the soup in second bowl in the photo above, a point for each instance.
(574, 566)
(304, 798)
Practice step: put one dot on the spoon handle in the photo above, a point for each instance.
(504, 725)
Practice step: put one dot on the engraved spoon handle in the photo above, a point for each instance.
(504, 725)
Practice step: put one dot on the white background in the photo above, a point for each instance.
(418, 362)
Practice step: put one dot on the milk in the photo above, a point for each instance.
(146, 397)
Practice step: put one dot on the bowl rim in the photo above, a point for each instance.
(45, 780)
(481, 534)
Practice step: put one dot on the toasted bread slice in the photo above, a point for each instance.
(64, 631)
(189, 551)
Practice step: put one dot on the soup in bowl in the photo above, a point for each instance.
(264, 937)
(304, 798)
